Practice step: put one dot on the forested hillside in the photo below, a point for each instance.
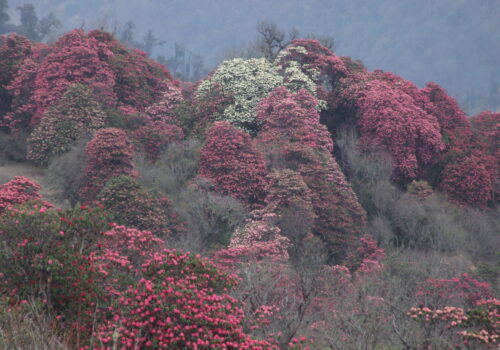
(297, 200)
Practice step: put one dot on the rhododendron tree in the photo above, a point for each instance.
(292, 117)
(180, 302)
(133, 205)
(140, 81)
(468, 181)
(446, 109)
(45, 259)
(164, 109)
(316, 61)
(460, 310)
(486, 127)
(339, 216)
(246, 83)
(109, 154)
(13, 51)
(389, 118)
(18, 190)
(74, 58)
(230, 159)
(154, 137)
(77, 115)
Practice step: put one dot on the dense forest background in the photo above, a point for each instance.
(454, 43)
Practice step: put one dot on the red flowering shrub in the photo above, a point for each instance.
(230, 159)
(486, 127)
(468, 181)
(292, 117)
(75, 116)
(114, 73)
(45, 259)
(74, 58)
(133, 205)
(315, 60)
(164, 109)
(459, 309)
(109, 154)
(139, 81)
(446, 109)
(387, 117)
(154, 137)
(286, 187)
(366, 255)
(21, 91)
(17, 191)
(475, 327)
(180, 302)
(14, 50)
(339, 216)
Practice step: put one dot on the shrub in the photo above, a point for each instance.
(390, 119)
(133, 205)
(339, 217)
(292, 117)
(14, 49)
(139, 81)
(109, 154)
(18, 190)
(45, 259)
(192, 311)
(316, 61)
(154, 137)
(74, 58)
(230, 159)
(77, 115)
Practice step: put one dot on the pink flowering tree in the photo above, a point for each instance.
(154, 137)
(315, 60)
(109, 154)
(339, 218)
(230, 159)
(17, 191)
(13, 51)
(76, 115)
(458, 311)
(74, 58)
(486, 127)
(139, 81)
(389, 118)
(292, 117)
